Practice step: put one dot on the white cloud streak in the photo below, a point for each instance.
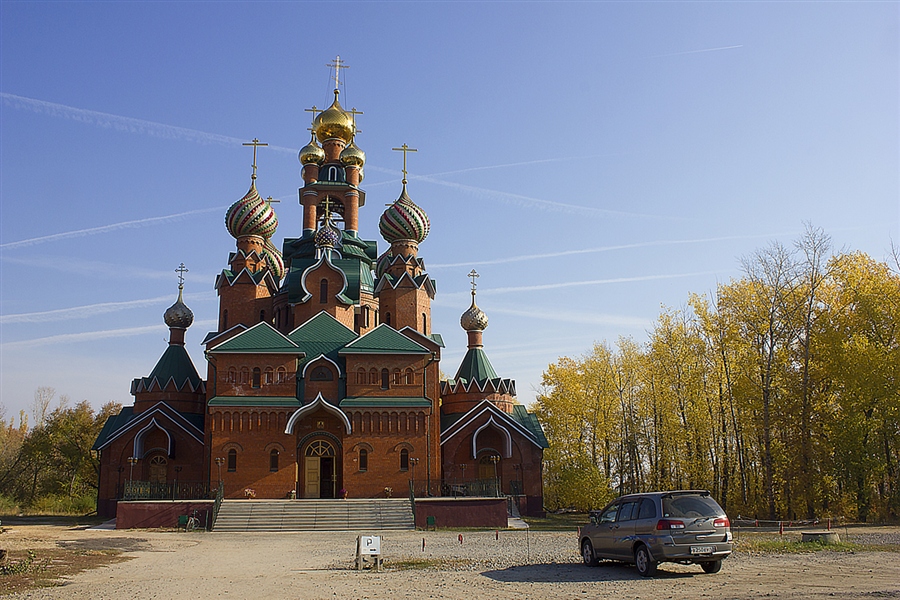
(567, 284)
(697, 51)
(530, 257)
(93, 310)
(137, 223)
(90, 336)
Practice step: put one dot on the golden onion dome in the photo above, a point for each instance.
(474, 318)
(334, 122)
(352, 156)
(312, 153)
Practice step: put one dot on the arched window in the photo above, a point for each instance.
(321, 373)
(387, 318)
(396, 376)
(158, 469)
(232, 460)
(281, 375)
(404, 460)
(385, 379)
(232, 375)
(365, 313)
(424, 323)
(270, 376)
(245, 375)
(410, 377)
(373, 377)
(376, 317)
(256, 376)
(323, 291)
(363, 459)
(361, 376)
(273, 460)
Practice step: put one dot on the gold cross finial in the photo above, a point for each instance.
(181, 270)
(255, 143)
(314, 112)
(270, 200)
(337, 64)
(404, 149)
(473, 275)
(353, 112)
(327, 203)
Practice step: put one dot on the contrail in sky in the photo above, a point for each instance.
(91, 310)
(565, 284)
(89, 336)
(697, 51)
(500, 261)
(107, 228)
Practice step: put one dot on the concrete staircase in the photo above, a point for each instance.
(364, 514)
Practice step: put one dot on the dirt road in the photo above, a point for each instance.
(173, 565)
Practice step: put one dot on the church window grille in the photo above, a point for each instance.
(410, 377)
(323, 291)
(273, 460)
(363, 459)
(404, 460)
(270, 376)
(373, 377)
(281, 375)
(396, 376)
(232, 460)
(385, 379)
(320, 448)
(361, 376)
(256, 376)
(321, 373)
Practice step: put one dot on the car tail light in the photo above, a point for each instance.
(664, 524)
(723, 522)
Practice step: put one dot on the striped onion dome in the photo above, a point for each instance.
(403, 220)
(312, 153)
(251, 215)
(178, 315)
(274, 260)
(384, 261)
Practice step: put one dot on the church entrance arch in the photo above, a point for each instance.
(319, 470)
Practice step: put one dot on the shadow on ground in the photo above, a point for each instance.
(556, 572)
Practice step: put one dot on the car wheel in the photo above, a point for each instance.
(587, 554)
(713, 566)
(646, 566)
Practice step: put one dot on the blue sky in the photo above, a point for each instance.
(592, 160)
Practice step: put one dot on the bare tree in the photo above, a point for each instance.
(40, 408)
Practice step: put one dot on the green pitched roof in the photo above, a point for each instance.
(112, 425)
(384, 339)
(323, 334)
(385, 401)
(176, 364)
(476, 366)
(530, 422)
(261, 338)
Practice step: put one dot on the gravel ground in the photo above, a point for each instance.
(517, 565)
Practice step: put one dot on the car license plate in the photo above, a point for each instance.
(702, 549)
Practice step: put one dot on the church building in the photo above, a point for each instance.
(323, 377)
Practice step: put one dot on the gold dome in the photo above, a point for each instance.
(352, 156)
(312, 153)
(334, 122)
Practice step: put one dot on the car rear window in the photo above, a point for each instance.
(690, 506)
(648, 509)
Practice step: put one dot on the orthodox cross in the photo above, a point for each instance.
(255, 143)
(312, 110)
(355, 112)
(270, 200)
(337, 64)
(404, 149)
(327, 203)
(181, 270)
(473, 275)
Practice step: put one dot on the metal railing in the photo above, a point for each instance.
(178, 490)
(220, 495)
(490, 488)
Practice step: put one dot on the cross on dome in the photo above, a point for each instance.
(473, 275)
(314, 110)
(181, 270)
(337, 64)
(255, 143)
(404, 149)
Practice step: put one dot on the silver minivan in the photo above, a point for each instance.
(686, 526)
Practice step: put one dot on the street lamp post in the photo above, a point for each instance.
(219, 462)
(495, 459)
(132, 461)
(413, 462)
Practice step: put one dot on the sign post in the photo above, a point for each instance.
(368, 545)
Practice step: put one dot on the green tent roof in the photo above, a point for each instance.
(176, 364)
(476, 366)
(384, 339)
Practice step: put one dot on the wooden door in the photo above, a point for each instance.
(311, 476)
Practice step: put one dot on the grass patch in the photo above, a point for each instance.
(413, 564)
(30, 569)
(766, 544)
(558, 522)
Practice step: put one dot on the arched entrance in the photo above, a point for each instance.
(158, 469)
(319, 470)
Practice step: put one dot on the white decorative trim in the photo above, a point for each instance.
(139, 439)
(321, 312)
(477, 411)
(324, 259)
(507, 449)
(157, 408)
(336, 366)
(316, 404)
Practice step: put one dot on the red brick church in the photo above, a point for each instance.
(323, 376)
